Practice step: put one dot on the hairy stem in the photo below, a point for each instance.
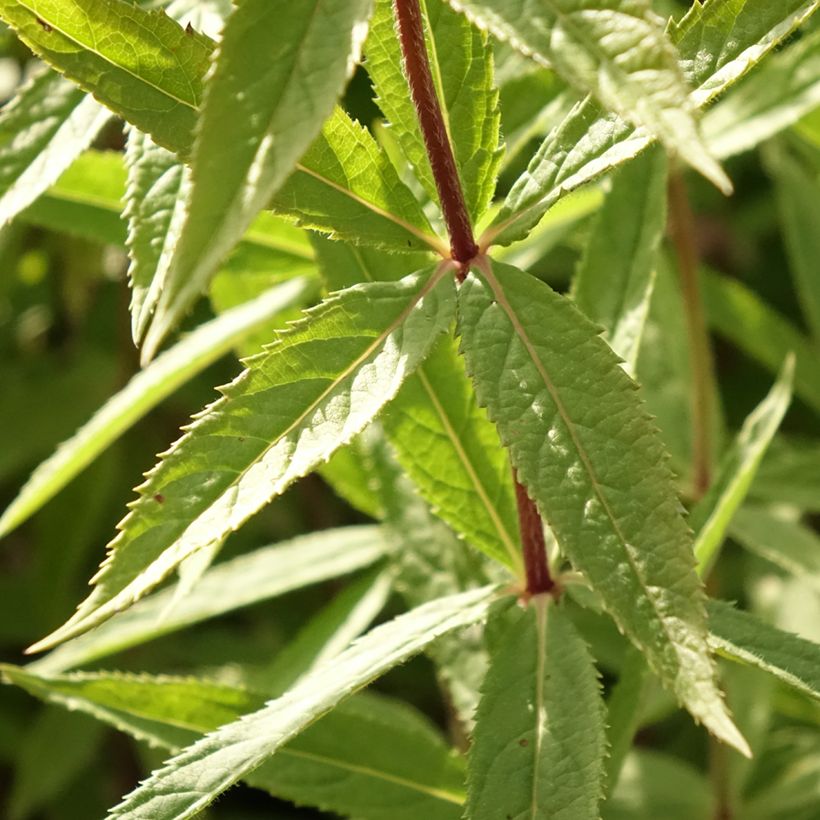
(532, 540)
(682, 232)
(436, 140)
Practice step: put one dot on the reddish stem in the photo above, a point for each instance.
(532, 540)
(463, 246)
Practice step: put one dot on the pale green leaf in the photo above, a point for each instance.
(585, 447)
(256, 576)
(154, 207)
(798, 194)
(191, 780)
(711, 517)
(539, 742)
(789, 474)
(739, 315)
(350, 475)
(314, 388)
(146, 390)
(745, 638)
(43, 129)
(785, 542)
(138, 63)
(617, 51)
(346, 187)
(370, 757)
(277, 74)
(777, 95)
(446, 444)
(615, 279)
(461, 62)
(589, 142)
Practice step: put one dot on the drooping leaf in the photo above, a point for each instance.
(739, 315)
(257, 576)
(784, 88)
(446, 444)
(462, 67)
(146, 389)
(585, 448)
(346, 186)
(618, 52)
(372, 757)
(191, 780)
(138, 63)
(745, 638)
(154, 207)
(42, 130)
(278, 72)
(713, 514)
(539, 742)
(614, 283)
(314, 388)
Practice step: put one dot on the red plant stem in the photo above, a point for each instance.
(463, 246)
(532, 539)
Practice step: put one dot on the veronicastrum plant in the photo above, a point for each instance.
(495, 429)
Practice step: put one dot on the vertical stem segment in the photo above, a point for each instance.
(682, 231)
(532, 539)
(439, 151)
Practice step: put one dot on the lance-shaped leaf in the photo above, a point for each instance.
(589, 142)
(539, 741)
(138, 63)
(614, 49)
(42, 130)
(614, 283)
(451, 451)
(745, 638)
(318, 385)
(346, 186)
(154, 207)
(191, 780)
(256, 576)
(789, 475)
(462, 66)
(585, 447)
(278, 72)
(711, 517)
(145, 391)
(371, 757)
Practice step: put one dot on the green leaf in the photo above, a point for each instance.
(789, 475)
(191, 780)
(711, 517)
(798, 192)
(739, 315)
(43, 129)
(775, 96)
(745, 638)
(256, 576)
(314, 388)
(145, 391)
(138, 63)
(154, 207)
(449, 448)
(785, 542)
(461, 61)
(614, 49)
(370, 757)
(588, 142)
(615, 279)
(586, 449)
(345, 186)
(539, 742)
(278, 72)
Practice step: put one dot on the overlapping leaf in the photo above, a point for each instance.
(191, 780)
(319, 384)
(278, 72)
(586, 449)
(539, 741)
(462, 68)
